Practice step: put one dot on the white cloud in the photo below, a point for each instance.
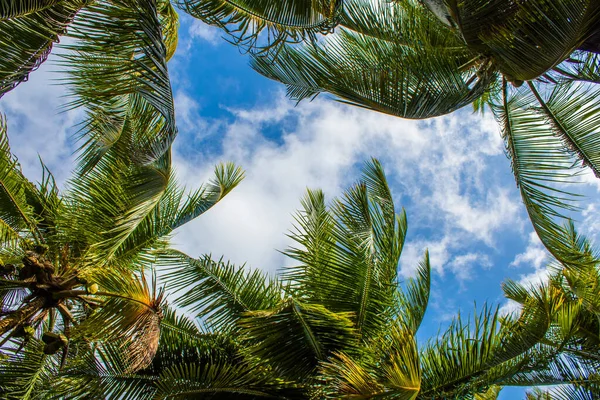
(37, 128)
(535, 255)
(534, 258)
(203, 31)
(442, 165)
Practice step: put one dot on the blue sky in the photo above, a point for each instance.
(450, 173)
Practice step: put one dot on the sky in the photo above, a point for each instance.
(450, 173)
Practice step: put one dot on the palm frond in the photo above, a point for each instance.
(174, 209)
(118, 71)
(219, 380)
(293, 337)
(29, 30)
(282, 22)
(169, 22)
(574, 114)
(381, 75)
(130, 315)
(525, 39)
(350, 254)
(102, 217)
(414, 298)
(541, 164)
(216, 291)
(17, 218)
(457, 363)
(24, 373)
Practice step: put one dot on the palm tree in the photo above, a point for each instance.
(338, 325)
(74, 265)
(535, 63)
(570, 351)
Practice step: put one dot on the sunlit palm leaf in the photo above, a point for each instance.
(573, 111)
(130, 316)
(378, 74)
(25, 373)
(461, 360)
(176, 208)
(540, 164)
(169, 21)
(16, 215)
(350, 254)
(116, 209)
(414, 297)
(218, 380)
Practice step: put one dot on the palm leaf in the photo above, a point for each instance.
(541, 164)
(219, 380)
(525, 39)
(414, 298)
(293, 337)
(574, 114)
(380, 75)
(218, 292)
(17, 217)
(350, 254)
(285, 21)
(130, 316)
(25, 373)
(174, 209)
(29, 30)
(118, 72)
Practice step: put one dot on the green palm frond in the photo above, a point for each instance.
(541, 164)
(350, 254)
(218, 380)
(17, 218)
(344, 377)
(218, 292)
(280, 22)
(380, 75)
(16, 8)
(525, 39)
(24, 373)
(388, 368)
(29, 30)
(101, 372)
(169, 22)
(490, 394)
(104, 216)
(293, 337)
(581, 66)
(174, 209)
(565, 392)
(463, 359)
(404, 22)
(118, 71)
(414, 297)
(574, 114)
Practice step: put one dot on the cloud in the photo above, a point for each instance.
(201, 30)
(535, 254)
(36, 126)
(535, 259)
(445, 170)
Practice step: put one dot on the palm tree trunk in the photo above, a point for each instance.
(18, 316)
